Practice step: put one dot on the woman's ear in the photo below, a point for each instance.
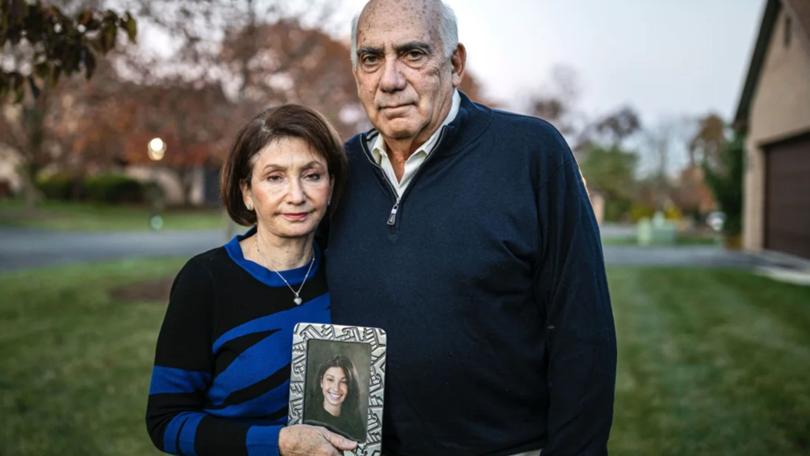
(247, 196)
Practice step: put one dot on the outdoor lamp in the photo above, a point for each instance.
(156, 149)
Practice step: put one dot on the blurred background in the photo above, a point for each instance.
(690, 121)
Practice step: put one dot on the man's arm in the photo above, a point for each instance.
(581, 341)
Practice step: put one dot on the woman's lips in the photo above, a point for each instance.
(295, 216)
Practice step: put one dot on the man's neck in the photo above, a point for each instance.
(399, 150)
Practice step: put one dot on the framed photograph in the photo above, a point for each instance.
(337, 381)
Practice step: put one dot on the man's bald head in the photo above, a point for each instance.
(441, 17)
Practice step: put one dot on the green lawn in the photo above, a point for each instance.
(76, 362)
(65, 216)
(710, 361)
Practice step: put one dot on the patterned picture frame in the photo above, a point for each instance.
(367, 348)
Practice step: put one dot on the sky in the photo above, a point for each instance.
(664, 58)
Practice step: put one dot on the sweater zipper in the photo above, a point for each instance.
(392, 216)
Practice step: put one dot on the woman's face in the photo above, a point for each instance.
(289, 188)
(334, 386)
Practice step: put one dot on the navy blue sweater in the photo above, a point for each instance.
(489, 280)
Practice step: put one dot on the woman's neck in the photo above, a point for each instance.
(333, 410)
(278, 253)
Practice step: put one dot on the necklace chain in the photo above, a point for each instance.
(297, 299)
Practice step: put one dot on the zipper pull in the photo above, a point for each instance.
(392, 217)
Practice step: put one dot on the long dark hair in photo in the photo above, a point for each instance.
(350, 405)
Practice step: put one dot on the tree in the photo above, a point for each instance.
(296, 65)
(556, 102)
(41, 43)
(197, 124)
(725, 176)
(614, 128)
(611, 172)
(709, 139)
(692, 195)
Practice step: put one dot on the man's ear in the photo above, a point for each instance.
(459, 62)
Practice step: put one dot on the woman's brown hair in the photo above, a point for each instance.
(290, 120)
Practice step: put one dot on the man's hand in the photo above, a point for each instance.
(306, 440)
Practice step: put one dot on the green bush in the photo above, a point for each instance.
(102, 188)
(640, 211)
(726, 181)
(60, 186)
(114, 188)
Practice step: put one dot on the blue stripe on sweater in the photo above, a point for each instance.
(188, 434)
(266, 276)
(266, 404)
(171, 435)
(267, 356)
(262, 440)
(253, 365)
(315, 310)
(168, 380)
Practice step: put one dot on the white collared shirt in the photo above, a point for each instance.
(380, 154)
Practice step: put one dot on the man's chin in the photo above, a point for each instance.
(397, 132)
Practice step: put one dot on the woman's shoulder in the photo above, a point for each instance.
(203, 266)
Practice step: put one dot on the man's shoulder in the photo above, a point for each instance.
(514, 125)
(522, 123)
(354, 145)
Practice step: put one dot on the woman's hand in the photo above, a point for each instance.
(306, 440)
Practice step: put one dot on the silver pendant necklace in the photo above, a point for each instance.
(297, 299)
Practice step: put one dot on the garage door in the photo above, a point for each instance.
(787, 196)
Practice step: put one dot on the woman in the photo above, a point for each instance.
(222, 365)
(335, 399)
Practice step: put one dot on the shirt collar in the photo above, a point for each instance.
(378, 146)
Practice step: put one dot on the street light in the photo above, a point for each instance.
(156, 149)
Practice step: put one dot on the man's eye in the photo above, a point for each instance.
(369, 59)
(414, 55)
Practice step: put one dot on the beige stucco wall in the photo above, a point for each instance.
(780, 109)
(9, 163)
(168, 181)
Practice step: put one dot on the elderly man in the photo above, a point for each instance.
(467, 234)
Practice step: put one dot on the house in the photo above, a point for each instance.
(774, 114)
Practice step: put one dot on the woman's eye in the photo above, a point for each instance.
(275, 178)
(314, 177)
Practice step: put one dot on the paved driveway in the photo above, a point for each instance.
(629, 255)
(25, 248)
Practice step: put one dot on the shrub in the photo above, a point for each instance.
(114, 188)
(59, 186)
(726, 181)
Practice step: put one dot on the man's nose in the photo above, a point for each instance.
(392, 78)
